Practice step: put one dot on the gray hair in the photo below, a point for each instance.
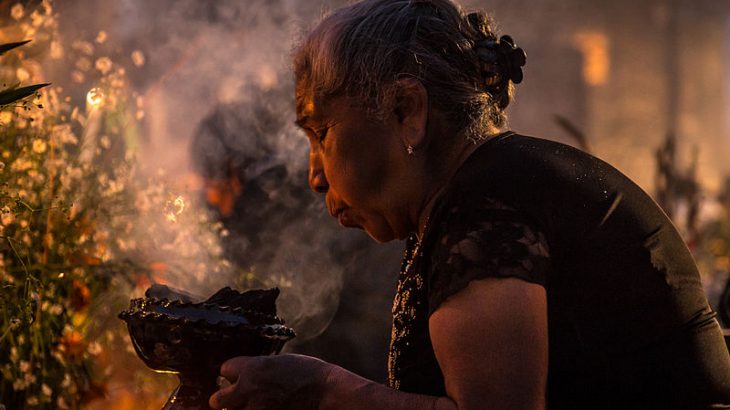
(362, 50)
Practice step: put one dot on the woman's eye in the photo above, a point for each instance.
(321, 134)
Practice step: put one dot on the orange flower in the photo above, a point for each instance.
(80, 295)
(72, 345)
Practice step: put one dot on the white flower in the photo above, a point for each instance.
(94, 348)
(56, 50)
(83, 46)
(28, 29)
(66, 383)
(104, 64)
(77, 76)
(83, 64)
(17, 11)
(21, 164)
(138, 58)
(7, 218)
(19, 384)
(58, 355)
(63, 134)
(36, 18)
(24, 366)
(22, 74)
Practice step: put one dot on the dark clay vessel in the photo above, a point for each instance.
(174, 334)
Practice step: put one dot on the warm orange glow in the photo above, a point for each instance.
(596, 58)
(80, 296)
(72, 345)
(222, 193)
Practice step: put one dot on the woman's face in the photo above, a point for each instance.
(357, 162)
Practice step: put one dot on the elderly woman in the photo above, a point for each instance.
(534, 275)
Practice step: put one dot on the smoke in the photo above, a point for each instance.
(217, 74)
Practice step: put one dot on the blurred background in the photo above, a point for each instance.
(192, 99)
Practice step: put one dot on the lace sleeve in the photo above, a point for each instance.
(485, 238)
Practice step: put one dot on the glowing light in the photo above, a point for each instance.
(596, 60)
(95, 97)
(17, 11)
(138, 58)
(103, 64)
(174, 208)
(22, 74)
(39, 146)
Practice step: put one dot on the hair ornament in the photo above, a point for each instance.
(501, 60)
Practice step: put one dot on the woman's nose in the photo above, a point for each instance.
(317, 180)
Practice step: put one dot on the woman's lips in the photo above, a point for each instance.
(344, 218)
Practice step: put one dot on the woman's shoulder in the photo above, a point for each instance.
(476, 236)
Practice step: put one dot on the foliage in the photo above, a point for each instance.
(82, 226)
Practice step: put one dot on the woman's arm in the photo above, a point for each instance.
(293, 381)
(490, 340)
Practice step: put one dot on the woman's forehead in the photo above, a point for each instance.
(313, 109)
(305, 108)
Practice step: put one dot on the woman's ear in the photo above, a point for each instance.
(411, 111)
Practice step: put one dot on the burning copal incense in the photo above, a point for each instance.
(173, 331)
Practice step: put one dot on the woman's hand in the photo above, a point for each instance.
(272, 382)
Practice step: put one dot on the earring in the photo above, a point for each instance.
(410, 149)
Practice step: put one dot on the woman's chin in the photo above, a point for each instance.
(377, 228)
(380, 235)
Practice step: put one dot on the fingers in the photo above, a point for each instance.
(232, 368)
(230, 396)
(225, 397)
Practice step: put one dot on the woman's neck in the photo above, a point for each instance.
(439, 183)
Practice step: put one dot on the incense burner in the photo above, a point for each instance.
(172, 333)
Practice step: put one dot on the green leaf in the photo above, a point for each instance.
(12, 95)
(4, 48)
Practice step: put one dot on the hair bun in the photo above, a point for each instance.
(479, 22)
(501, 59)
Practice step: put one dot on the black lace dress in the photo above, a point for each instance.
(629, 326)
